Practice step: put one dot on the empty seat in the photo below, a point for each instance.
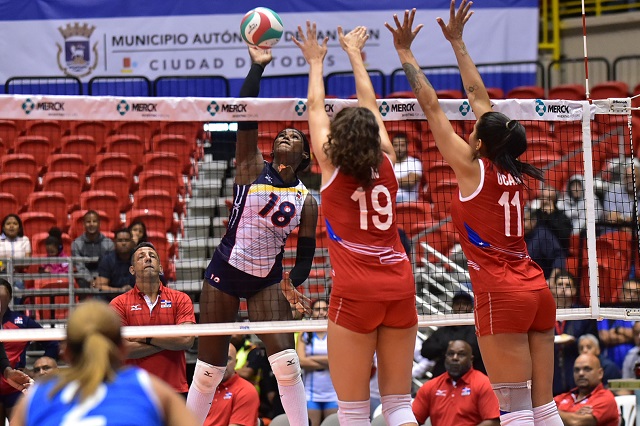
(18, 184)
(50, 129)
(414, 217)
(610, 89)
(118, 182)
(51, 202)
(116, 162)
(403, 94)
(9, 131)
(569, 92)
(38, 146)
(8, 203)
(157, 199)
(98, 130)
(180, 146)
(76, 222)
(73, 163)
(83, 145)
(107, 201)
(58, 313)
(36, 222)
(449, 94)
(142, 129)
(20, 163)
(163, 161)
(526, 92)
(129, 144)
(153, 219)
(161, 179)
(68, 183)
(495, 92)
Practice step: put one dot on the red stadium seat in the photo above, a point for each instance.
(154, 220)
(20, 163)
(403, 94)
(61, 313)
(38, 146)
(610, 89)
(414, 217)
(441, 194)
(68, 183)
(9, 131)
(18, 184)
(157, 199)
(98, 130)
(128, 144)
(116, 162)
(163, 161)
(76, 222)
(145, 130)
(8, 203)
(442, 239)
(180, 146)
(72, 163)
(39, 247)
(50, 129)
(495, 93)
(449, 94)
(569, 92)
(161, 179)
(118, 182)
(51, 202)
(83, 145)
(37, 222)
(107, 201)
(526, 92)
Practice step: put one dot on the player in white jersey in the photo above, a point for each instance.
(269, 203)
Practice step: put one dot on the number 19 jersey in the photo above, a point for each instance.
(368, 260)
(491, 227)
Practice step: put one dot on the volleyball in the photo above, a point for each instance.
(261, 27)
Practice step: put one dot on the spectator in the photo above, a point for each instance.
(16, 351)
(633, 356)
(236, 401)
(460, 396)
(322, 400)
(574, 205)
(138, 232)
(53, 245)
(588, 403)
(630, 293)
(44, 366)
(556, 220)
(14, 244)
(149, 302)
(542, 244)
(616, 339)
(92, 243)
(620, 199)
(435, 347)
(408, 170)
(113, 269)
(567, 332)
(588, 344)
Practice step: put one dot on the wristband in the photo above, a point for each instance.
(148, 341)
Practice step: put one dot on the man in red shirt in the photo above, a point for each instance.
(590, 403)
(460, 396)
(236, 400)
(149, 302)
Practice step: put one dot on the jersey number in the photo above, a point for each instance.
(77, 415)
(283, 215)
(360, 195)
(506, 205)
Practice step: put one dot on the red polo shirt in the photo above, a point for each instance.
(235, 402)
(601, 401)
(172, 308)
(465, 402)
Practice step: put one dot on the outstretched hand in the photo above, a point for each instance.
(354, 40)
(308, 44)
(301, 302)
(260, 56)
(457, 19)
(403, 34)
(18, 379)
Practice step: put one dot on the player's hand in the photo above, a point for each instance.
(403, 34)
(301, 302)
(308, 43)
(354, 40)
(18, 379)
(260, 56)
(457, 19)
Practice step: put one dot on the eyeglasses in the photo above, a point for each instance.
(43, 368)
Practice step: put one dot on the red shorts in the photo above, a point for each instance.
(365, 317)
(517, 312)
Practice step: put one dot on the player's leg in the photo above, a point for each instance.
(511, 385)
(270, 305)
(315, 413)
(215, 307)
(545, 411)
(395, 359)
(350, 361)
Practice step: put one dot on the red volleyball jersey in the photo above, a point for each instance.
(491, 227)
(368, 260)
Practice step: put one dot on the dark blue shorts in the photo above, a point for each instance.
(235, 282)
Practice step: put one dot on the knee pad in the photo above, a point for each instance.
(207, 377)
(286, 367)
(513, 396)
(396, 409)
(354, 413)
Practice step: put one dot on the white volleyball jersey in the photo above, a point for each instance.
(317, 383)
(264, 214)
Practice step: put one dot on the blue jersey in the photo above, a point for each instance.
(127, 401)
(264, 214)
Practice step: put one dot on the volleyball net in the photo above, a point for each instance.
(170, 163)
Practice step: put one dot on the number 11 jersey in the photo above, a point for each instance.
(368, 261)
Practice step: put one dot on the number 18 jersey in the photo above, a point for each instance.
(491, 227)
(368, 260)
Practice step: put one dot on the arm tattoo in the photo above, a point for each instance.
(415, 77)
(472, 88)
(463, 50)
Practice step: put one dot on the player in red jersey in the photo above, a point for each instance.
(514, 309)
(372, 305)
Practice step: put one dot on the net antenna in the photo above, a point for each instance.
(586, 56)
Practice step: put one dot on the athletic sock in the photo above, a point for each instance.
(294, 402)
(547, 415)
(517, 418)
(206, 379)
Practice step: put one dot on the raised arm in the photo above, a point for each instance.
(353, 43)
(453, 148)
(473, 84)
(249, 159)
(319, 123)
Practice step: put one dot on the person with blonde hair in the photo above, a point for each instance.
(95, 389)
